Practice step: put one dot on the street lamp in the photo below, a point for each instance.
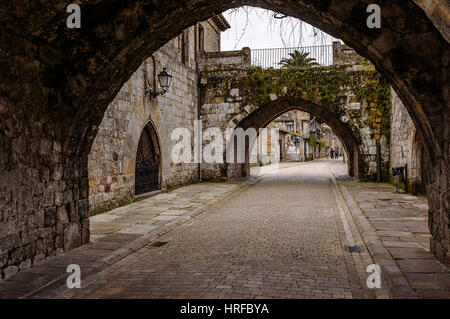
(165, 79)
(344, 118)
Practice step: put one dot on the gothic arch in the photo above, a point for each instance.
(148, 162)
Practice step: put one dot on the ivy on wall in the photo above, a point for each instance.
(332, 87)
(312, 140)
(327, 86)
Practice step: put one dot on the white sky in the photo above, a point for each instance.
(262, 31)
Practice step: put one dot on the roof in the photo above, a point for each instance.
(221, 22)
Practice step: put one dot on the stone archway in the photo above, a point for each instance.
(56, 83)
(148, 162)
(265, 114)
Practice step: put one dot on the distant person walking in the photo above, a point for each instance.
(336, 153)
(331, 153)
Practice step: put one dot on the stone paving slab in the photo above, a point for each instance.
(397, 237)
(155, 210)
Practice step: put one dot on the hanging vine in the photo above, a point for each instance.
(328, 86)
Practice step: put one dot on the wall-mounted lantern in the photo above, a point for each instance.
(203, 81)
(344, 118)
(165, 79)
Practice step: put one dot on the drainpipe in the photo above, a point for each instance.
(406, 178)
(199, 104)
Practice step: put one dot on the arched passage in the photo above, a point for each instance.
(56, 83)
(263, 115)
(148, 162)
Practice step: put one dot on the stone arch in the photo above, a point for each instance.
(56, 83)
(148, 163)
(266, 113)
(419, 164)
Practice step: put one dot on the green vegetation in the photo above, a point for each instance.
(326, 86)
(321, 145)
(298, 60)
(312, 140)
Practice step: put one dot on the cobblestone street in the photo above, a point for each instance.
(284, 233)
(281, 238)
(216, 150)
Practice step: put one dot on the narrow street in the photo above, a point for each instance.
(282, 237)
(220, 150)
(297, 230)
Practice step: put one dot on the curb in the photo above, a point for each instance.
(353, 238)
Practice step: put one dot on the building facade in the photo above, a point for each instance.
(131, 152)
(131, 155)
(407, 149)
(294, 129)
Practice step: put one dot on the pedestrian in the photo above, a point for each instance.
(331, 153)
(336, 153)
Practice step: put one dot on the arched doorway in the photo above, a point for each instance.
(266, 113)
(148, 162)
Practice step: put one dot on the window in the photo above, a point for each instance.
(184, 39)
(201, 38)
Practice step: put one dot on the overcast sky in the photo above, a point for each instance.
(263, 31)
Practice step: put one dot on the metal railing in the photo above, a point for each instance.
(271, 58)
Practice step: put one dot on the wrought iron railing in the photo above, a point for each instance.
(271, 58)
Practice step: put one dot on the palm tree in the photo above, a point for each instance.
(298, 60)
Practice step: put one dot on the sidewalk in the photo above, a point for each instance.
(116, 234)
(394, 227)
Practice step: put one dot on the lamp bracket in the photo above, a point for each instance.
(152, 93)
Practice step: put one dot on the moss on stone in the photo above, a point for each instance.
(327, 86)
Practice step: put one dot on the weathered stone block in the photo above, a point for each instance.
(72, 236)
(38, 219)
(37, 259)
(85, 231)
(10, 271)
(25, 264)
(50, 217)
(83, 208)
(3, 259)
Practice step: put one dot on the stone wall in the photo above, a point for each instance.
(113, 154)
(227, 100)
(43, 198)
(406, 147)
(345, 55)
(112, 158)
